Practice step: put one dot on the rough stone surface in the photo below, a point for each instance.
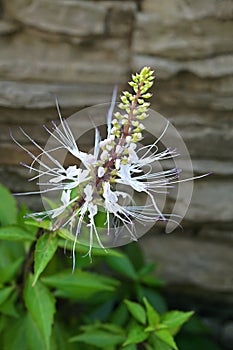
(187, 9)
(184, 29)
(79, 18)
(213, 67)
(78, 50)
(211, 201)
(204, 136)
(191, 262)
(94, 61)
(42, 95)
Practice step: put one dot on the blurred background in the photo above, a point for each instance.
(78, 50)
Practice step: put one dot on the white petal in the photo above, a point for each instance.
(117, 163)
(71, 171)
(101, 171)
(88, 192)
(57, 179)
(65, 197)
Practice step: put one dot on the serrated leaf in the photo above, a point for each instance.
(137, 311)
(41, 305)
(5, 293)
(80, 285)
(8, 207)
(33, 335)
(99, 338)
(166, 337)
(123, 266)
(152, 314)
(175, 319)
(46, 247)
(15, 233)
(136, 335)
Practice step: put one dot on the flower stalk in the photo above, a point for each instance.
(83, 194)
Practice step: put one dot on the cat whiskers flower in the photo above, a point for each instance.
(84, 194)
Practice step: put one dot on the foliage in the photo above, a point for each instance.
(113, 303)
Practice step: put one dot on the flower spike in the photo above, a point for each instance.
(90, 194)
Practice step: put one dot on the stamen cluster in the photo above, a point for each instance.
(87, 191)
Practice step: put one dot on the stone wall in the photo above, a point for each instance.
(78, 50)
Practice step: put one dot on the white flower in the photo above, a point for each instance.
(116, 160)
(101, 171)
(74, 175)
(110, 198)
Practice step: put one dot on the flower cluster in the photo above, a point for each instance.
(93, 189)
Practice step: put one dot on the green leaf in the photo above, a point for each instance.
(152, 314)
(8, 307)
(99, 338)
(112, 328)
(120, 315)
(135, 255)
(136, 335)
(123, 266)
(155, 299)
(5, 293)
(130, 347)
(10, 252)
(60, 338)
(166, 337)
(102, 311)
(195, 326)
(152, 281)
(146, 269)
(21, 220)
(149, 347)
(65, 234)
(14, 335)
(8, 272)
(68, 245)
(8, 207)
(160, 345)
(45, 224)
(41, 305)
(33, 335)
(137, 311)
(175, 319)
(46, 247)
(80, 285)
(15, 233)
